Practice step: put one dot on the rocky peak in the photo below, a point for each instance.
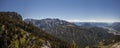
(48, 23)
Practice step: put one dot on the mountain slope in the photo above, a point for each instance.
(69, 32)
(11, 15)
(14, 33)
(116, 26)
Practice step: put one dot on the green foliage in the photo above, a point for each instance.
(3, 27)
(87, 47)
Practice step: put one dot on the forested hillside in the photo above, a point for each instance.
(14, 33)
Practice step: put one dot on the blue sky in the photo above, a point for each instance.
(70, 10)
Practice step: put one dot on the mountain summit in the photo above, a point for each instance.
(11, 14)
(48, 23)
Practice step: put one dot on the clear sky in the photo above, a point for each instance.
(70, 10)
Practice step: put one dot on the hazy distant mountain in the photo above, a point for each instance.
(73, 33)
(116, 26)
(14, 33)
(93, 24)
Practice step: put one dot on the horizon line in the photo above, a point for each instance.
(108, 21)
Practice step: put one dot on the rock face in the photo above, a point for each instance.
(14, 33)
(116, 45)
(67, 31)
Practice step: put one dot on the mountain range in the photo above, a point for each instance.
(89, 34)
(55, 33)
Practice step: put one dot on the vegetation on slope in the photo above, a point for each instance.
(81, 36)
(14, 33)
